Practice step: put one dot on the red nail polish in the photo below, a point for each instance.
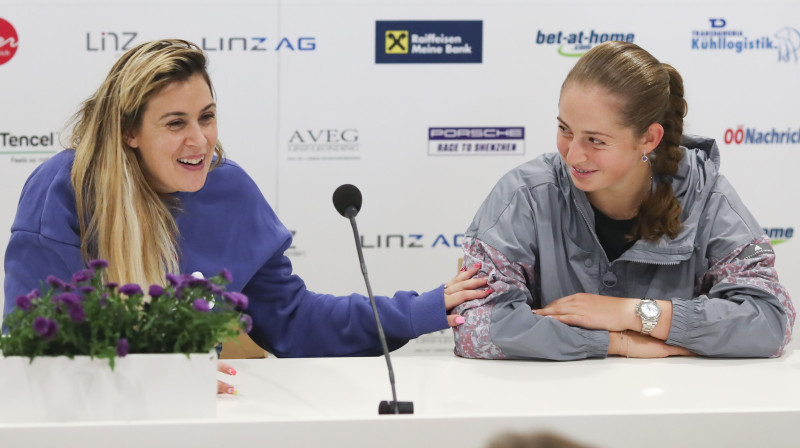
(490, 291)
(230, 390)
(232, 371)
(476, 265)
(463, 268)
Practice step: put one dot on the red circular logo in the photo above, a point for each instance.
(8, 41)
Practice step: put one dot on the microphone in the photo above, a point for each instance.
(347, 200)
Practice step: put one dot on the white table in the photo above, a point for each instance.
(677, 402)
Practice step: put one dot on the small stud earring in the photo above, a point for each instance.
(644, 157)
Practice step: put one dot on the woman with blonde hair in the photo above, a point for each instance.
(147, 188)
(627, 241)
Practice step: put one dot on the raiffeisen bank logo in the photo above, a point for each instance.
(428, 41)
(718, 37)
(574, 44)
(454, 141)
(8, 41)
(397, 42)
(778, 235)
(741, 135)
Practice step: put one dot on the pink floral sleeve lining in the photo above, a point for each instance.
(473, 338)
(757, 271)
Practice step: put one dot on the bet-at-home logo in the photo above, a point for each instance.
(778, 235)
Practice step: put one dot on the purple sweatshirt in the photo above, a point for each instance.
(227, 224)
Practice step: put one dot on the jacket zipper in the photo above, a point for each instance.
(597, 241)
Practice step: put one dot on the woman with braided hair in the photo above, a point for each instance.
(627, 241)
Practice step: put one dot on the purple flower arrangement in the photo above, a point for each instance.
(88, 316)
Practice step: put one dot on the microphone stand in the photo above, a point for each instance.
(385, 407)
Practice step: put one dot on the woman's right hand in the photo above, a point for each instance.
(631, 344)
(461, 288)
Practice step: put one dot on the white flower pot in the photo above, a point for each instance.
(141, 387)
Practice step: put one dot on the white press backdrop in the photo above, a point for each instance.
(304, 107)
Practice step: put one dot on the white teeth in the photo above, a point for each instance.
(192, 161)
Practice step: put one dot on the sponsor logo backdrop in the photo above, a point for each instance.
(424, 107)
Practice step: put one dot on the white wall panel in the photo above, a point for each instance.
(314, 109)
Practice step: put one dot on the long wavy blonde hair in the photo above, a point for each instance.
(122, 218)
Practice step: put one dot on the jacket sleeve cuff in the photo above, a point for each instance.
(596, 342)
(428, 313)
(682, 320)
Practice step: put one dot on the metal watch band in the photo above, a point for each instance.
(648, 325)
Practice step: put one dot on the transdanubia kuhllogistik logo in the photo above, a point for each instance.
(784, 42)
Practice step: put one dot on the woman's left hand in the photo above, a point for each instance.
(593, 312)
(222, 387)
(462, 288)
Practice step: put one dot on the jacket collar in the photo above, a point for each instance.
(692, 184)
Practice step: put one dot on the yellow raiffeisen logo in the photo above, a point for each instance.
(428, 41)
(397, 42)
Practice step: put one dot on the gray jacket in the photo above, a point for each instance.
(534, 235)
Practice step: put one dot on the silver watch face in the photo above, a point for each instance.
(649, 309)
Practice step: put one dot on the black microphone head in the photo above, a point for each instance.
(347, 197)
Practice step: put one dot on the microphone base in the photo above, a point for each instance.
(387, 407)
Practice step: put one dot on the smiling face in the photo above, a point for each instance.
(177, 135)
(604, 157)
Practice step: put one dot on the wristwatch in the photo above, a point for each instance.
(649, 311)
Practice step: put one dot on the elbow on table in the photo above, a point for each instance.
(771, 345)
(475, 341)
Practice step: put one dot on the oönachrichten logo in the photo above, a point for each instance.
(742, 135)
(8, 41)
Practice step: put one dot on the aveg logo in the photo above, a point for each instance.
(324, 144)
(411, 241)
(9, 41)
(575, 44)
(778, 235)
(752, 136)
